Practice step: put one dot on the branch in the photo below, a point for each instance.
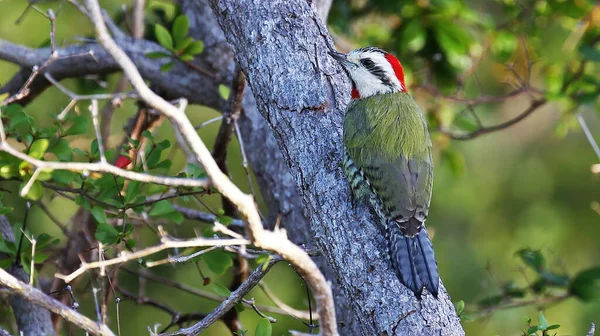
(273, 241)
(489, 129)
(92, 59)
(101, 167)
(283, 310)
(34, 295)
(31, 319)
(235, 297)
(166, 243)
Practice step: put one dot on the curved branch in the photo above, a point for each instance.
(490, 129)
(35, 296)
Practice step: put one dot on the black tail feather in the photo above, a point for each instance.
(424, 258)
(413, 259)
(402, 256)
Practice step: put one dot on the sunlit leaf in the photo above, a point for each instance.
(180, 30)
(218, 261)
(163, 36)
(221, 290)
(263, 328)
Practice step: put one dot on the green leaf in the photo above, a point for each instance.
(553, 327)
(221, 290)
(6, 263)
(218, 261)
(5, 210)
(161, 208)
(460, 307)
(195, 170)
(239, 307)
(80, 126)
(586, 285)
(158, 54)
(186, 57)
(166, 67)
(225, 220)
(532, 330)
(532, 258)
(99, 214)
(130, 243)
(465, 122)
(224, 91)
(38, 148)
(7, 247)
(19, 121)
(64, 176)
(542, 321)
(35, 192)
(106, 234)
(132, 190)
(263, 328)
(148, 135)
(180, 30)
(9, 171)
(184, 44)
(590, 53)
(45, 240)
(163, 37)
(194, 48)
(62, 150)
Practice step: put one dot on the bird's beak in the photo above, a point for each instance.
(339, 57)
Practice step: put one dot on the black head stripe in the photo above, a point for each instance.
(372, 49)
(376, 70)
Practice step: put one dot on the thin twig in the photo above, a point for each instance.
(588, 134)
(235, 297)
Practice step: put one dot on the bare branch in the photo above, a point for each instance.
(34, 295)
(490, 129)
(102, 167)
(235, 297)
(166, 243)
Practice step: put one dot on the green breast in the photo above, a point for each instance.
(386, 138)
(390, 124)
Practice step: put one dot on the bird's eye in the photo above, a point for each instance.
(367, 62)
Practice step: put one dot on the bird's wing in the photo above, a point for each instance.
(403, 184)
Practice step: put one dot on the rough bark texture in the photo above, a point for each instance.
(281, 46)
(277, 185)
(31, 319)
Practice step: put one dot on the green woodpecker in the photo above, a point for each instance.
(388, 163)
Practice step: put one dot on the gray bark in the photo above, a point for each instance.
(281, 45)
(277, 185)
(31, 319)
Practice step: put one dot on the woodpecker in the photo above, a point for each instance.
(388, 163)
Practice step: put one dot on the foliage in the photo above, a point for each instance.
(177, 42)
(543, 326)
(448, 44)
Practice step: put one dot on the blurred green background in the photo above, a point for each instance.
(529, 186)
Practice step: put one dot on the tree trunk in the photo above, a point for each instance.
(277, 185)
(301, 93)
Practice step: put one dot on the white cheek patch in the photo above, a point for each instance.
(367, 83)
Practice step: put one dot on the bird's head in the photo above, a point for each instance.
(372, 71)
